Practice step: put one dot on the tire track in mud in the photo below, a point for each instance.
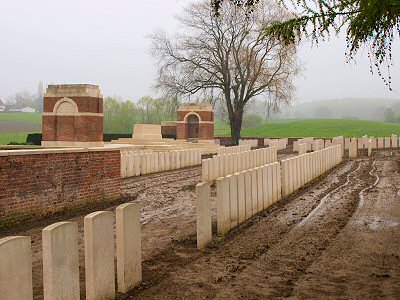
(278, 270)
(363, 262)
(245, 255)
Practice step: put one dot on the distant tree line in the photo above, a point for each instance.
(119, 116)
(392, 114)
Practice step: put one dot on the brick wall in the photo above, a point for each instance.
(204, 115)
(85, 104)
(41, 184)
(181, 132)
(206, 131)
(72, 128)
(168, 131)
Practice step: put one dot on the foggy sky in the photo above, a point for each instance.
(104, 42)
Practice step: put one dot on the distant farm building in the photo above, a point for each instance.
(2, 105)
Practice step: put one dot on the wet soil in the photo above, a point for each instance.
(15, 126)
(338, 237)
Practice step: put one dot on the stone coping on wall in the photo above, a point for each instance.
(57, 150)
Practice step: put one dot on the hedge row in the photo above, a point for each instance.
(36, 138)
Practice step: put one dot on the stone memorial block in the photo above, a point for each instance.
(353, 150)
(149, 132)
(346, 143)
(387, 142)
(296, 146)
(187, 157)
(290, 176)
(301, 168)
(16, 268)
(240, 162)
(152, 162)
(203, 215)
(241, 197)
(369, 147)
(184, 158)
(394, 141)
(136, 164)
(328, 143)
(161, 161)
(278, 177)
(233, 200)
(193, 157)
(230, 164)
(178, 159)
(247, 160)
(156, 162)
(285, 178)
(226, 165)
(265, 186)
(221, 166)
(298, 172)
(270, 184)
(295, 174)
(61, 261)
(143, 164)
(99, 255)
(254, 191)
(167, 161)
(236, 164)
(148, 162)
(248, 194)
(123, 164)
(172, 160)
(205, 170)
(223, 209)
(302, 148)
(129, 253)
(215, 162)
(129, 165)
(260, 194)
(380, 143)
(360, 143)
(252, 160)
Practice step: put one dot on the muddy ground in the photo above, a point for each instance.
(338, 237)
(16, 126)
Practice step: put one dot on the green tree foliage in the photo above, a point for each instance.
(370, 23)
(390, 116)
(252, 120)
(323, 112)
(119, 116)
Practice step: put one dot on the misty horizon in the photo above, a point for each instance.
(105, 43)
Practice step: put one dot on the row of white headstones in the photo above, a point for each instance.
(246, 193)
(61, 258)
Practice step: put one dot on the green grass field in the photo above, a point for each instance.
(33, 118)
(277, 128)
(315, 128)
(19, 137)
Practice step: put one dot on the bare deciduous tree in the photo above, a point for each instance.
(226, 56)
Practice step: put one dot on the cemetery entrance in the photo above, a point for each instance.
(193, 127)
